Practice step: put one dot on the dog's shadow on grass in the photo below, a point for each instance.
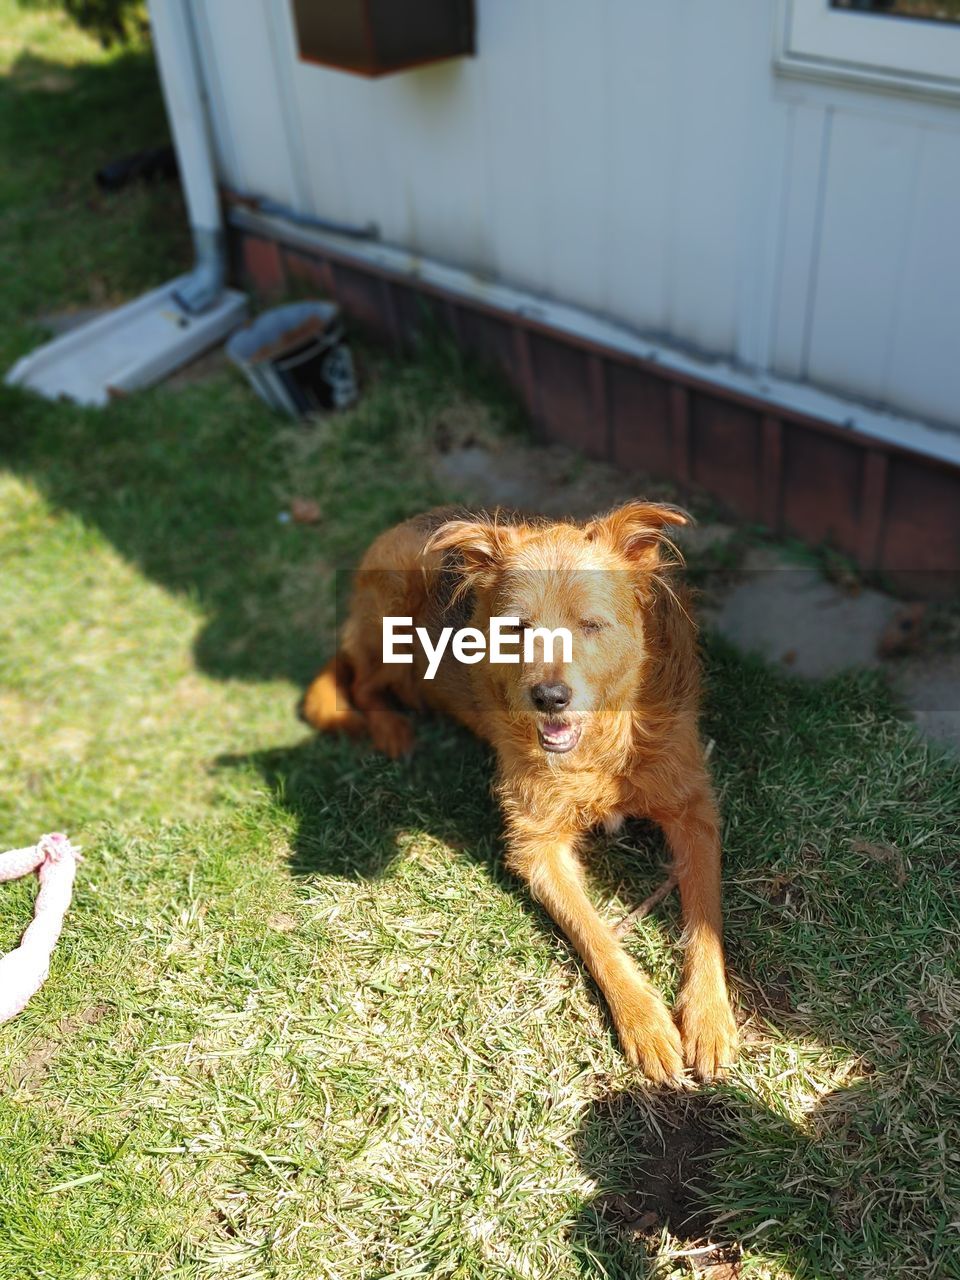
(351, 804)
(353, 808)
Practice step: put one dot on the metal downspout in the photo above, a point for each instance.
(180, 78)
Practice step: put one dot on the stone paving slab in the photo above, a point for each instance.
(930, 688)
(792, 616)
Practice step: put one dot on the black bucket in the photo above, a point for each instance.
(295, 358)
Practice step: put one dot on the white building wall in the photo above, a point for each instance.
(644, 161)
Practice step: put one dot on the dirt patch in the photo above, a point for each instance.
(550, 480)
(34, 1066)
(777, 992)
(905, 631)
(17, 712)
(675, 1163)
(212, 364)
(35, 75)
(282, 922)
(887, 854)
(654, 1153)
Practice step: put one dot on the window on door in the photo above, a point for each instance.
(926, 10)
(911, 45)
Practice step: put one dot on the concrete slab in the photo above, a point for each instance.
(791, 616)
(930, 688)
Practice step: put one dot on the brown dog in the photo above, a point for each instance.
(610, 734)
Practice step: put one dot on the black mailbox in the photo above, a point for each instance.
(375, 37)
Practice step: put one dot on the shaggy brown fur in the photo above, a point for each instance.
(625, 742)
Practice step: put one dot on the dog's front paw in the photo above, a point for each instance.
(649, 1038)
(709, 1032)
(393, 735)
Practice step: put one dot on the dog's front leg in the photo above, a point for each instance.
(706, 1019)
(549, 864)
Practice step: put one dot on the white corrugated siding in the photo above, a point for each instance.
(643, 161)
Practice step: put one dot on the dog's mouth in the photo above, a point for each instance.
(558, 735)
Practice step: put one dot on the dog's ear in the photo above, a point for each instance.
(639, 531)
(481, 545)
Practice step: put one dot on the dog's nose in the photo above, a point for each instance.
(550, 697)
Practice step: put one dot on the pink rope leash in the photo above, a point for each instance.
(23, 970)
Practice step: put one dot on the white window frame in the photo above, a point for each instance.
(905, 55)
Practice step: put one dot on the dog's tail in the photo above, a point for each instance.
(326, 704)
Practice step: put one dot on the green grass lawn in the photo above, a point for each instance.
(300, 1023)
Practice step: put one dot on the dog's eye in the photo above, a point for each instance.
(590, 626)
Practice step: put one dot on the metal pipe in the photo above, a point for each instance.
(274, 209)
(183, 94)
